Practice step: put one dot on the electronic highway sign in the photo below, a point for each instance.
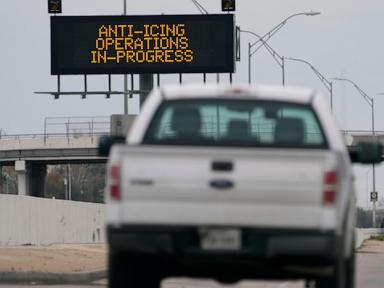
(142, 44)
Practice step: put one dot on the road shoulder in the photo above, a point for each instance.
(69, 263)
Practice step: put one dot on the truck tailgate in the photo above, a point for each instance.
(264, 188)
(278, 176)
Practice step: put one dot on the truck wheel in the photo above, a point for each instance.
(339, 277)
(350, 271)
(144, 271)
(115, 269)
(132, 271)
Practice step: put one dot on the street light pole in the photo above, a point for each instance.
(328, 84)
(371, 103)
(283, 69)
(278, 58)
(263, 39)
(249, 63)
(331, 93)
(274, 30)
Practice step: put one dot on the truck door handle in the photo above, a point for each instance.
(222, 166)
(222, 184)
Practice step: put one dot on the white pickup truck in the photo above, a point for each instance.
(232, 183)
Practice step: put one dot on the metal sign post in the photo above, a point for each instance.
(237, 44)
(374, 198)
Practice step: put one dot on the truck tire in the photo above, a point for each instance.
(115, 269)
(337, 280)
(350, 271)
(341, 271)
(132, 271)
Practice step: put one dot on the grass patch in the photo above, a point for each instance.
(377, 237)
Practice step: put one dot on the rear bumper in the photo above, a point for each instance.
(184, 242)
(230, 213)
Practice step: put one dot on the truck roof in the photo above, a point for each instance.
(290, 94)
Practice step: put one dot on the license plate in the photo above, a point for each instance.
(220, 239)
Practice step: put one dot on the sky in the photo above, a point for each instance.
(343, 41)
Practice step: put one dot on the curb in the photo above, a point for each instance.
(51, 278)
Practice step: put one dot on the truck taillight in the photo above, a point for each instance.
(330, 186)
(114, 182)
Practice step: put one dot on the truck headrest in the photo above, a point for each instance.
(289, 131)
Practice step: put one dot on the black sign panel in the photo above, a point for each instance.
(374, 196)
(142, 44)
(54, 6)
(228, 5)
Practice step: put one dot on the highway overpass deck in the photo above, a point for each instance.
(30, 155)
(52, 149)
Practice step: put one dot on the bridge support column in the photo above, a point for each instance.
(1, 179)
(22, 177)
(30, 178)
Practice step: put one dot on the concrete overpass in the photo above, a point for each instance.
(354, 136)
(49, 148)
(30, 155)
(65, 140)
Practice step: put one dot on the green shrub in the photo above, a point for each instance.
(377, 237)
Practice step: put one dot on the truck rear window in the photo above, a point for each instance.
(220, 122)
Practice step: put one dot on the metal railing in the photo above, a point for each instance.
(77, 125)
(363, 132)
(68, 128)
(46, 137)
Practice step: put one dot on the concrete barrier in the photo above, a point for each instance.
(364, 234)
(28, 220)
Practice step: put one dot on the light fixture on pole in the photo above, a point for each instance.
(328, 84)
(278, 58)
(371, 103)
(274, 30)
(263, 39)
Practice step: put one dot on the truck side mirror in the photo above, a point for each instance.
(366, 153)
(106, 143)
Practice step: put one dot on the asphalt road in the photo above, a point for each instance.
(370, 268)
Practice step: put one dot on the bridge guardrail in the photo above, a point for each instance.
(67, 127)
(45, 137)
(74, 125)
